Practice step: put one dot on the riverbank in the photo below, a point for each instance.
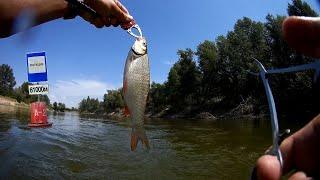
(7, 101)
(244, 111)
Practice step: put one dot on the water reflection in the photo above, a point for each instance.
(86, 147)
(7, 113)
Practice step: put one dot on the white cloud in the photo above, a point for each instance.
(73, 91)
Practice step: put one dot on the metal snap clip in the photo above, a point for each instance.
(136, 26)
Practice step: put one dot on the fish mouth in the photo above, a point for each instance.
(140, 46)
(137, 53)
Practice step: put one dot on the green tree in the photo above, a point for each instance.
(173, 84)
(280, 52)
(300, 8)
(7, 80)
(25, 90)
(183, 81)
(22, 95)
(82, 105)
(89, 105)
(45, 98)
(157, 100)
(208, 65)
(221, 78)
(93, 105)
(113, 101)
(236, 53)
(61, 107)
(291, 90)
(55, 106)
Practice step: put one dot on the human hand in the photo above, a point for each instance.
(303, 34)
(111, 12)
(300, 152)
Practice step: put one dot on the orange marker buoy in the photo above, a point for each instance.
(39, 116)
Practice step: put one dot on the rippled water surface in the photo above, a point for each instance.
(78, 147)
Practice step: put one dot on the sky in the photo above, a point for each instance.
(84, 61)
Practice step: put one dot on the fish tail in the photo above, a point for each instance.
(136, 135)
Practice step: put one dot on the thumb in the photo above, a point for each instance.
(268, 167)
(302, 34)
(121, 13)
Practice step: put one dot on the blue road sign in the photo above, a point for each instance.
(37, 68)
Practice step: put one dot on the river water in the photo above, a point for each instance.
(78, 147)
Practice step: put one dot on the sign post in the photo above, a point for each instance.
(38, 85)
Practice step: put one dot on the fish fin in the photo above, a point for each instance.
(126, 111)
(136, 135)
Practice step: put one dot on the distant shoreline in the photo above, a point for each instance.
(163, 115)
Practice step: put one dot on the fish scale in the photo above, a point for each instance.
(139, 82)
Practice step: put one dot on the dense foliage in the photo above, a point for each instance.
(7, 80)
(21, 93)
(214, 77)
(89, 105)
(58, 107)
(113, 101)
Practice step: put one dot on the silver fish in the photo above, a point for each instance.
(136, 85)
